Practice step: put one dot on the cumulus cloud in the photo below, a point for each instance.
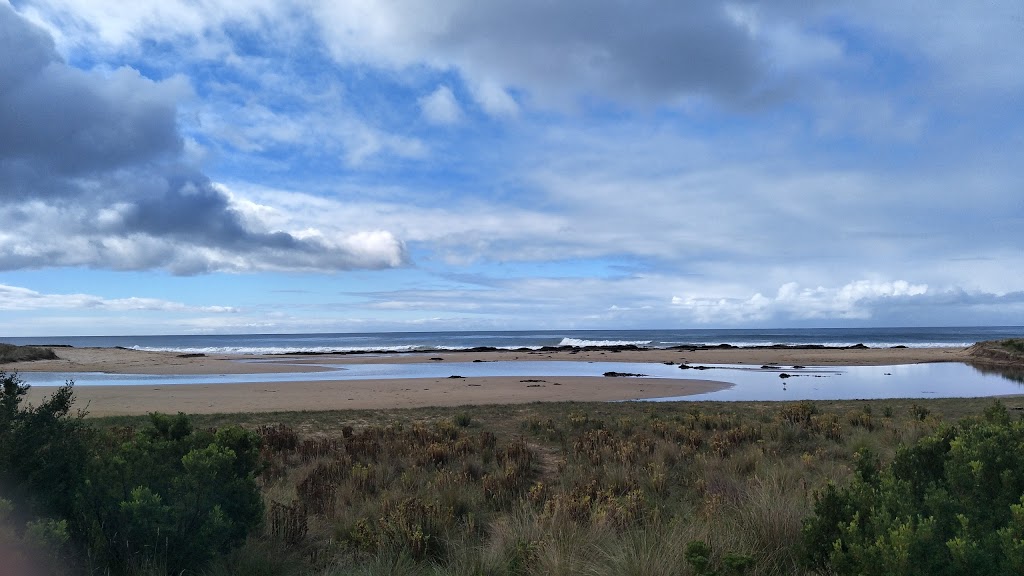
(55, 118)
(858, 300)
(92, 174)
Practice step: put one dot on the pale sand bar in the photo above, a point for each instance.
(419, 392)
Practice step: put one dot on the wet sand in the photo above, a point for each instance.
(368, 394)
(419, 392)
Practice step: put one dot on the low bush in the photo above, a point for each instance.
(165, 499)
(951, 504)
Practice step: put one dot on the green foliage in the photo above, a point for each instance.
(699, 556)
(170, 494)
(918, 411)
(463, 419)
(601, 489)
(951, 504)
(167, 499)
(1013, 345)
(42, 448)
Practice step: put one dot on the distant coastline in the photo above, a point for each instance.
(401, 342)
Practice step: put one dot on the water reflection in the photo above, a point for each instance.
(749, 383)
(937, 380)
(1014, 373)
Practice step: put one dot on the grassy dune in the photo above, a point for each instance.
(560, 488)
(1010, 350)
(12, 353)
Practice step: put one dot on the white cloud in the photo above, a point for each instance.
(126, 23)
(98, 236)
(651, 50)
(856, 300)
(365, 143)
(858, 173)
(16, 299)
(463, 228)
(441, 107)
(494, 99)
(91, 175)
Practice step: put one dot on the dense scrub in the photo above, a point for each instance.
(162, 499)
(951, 504)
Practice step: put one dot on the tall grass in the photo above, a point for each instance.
(593, 489)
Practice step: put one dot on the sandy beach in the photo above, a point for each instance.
(418, 392)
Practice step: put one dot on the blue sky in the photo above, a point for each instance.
(320, 166)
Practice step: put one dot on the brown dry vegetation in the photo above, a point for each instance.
(1004, 357)
(559, 488)
(1009, 351)
(12, 353)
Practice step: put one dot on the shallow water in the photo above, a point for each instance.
(749, 383)
(938, 380)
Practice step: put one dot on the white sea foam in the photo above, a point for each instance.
(566, 342)
(906, 344)
(460, 348)
(271, 350)
(577, 343)
(869, 344)
(266, 350)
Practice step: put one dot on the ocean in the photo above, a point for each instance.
(440, 341)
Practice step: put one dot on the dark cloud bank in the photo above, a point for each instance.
(689, 47)
(91, 173)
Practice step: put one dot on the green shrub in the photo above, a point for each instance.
(165, 499)
(43, 449)
(171, 495)
(951, 504)
(698, 555)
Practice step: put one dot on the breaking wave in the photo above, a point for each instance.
(269, 350)
(280, 350)
(578, 343)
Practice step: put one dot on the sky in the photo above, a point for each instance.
(267, 166)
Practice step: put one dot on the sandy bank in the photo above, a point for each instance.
(420, 392)
(368, 394)
(125, 361)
